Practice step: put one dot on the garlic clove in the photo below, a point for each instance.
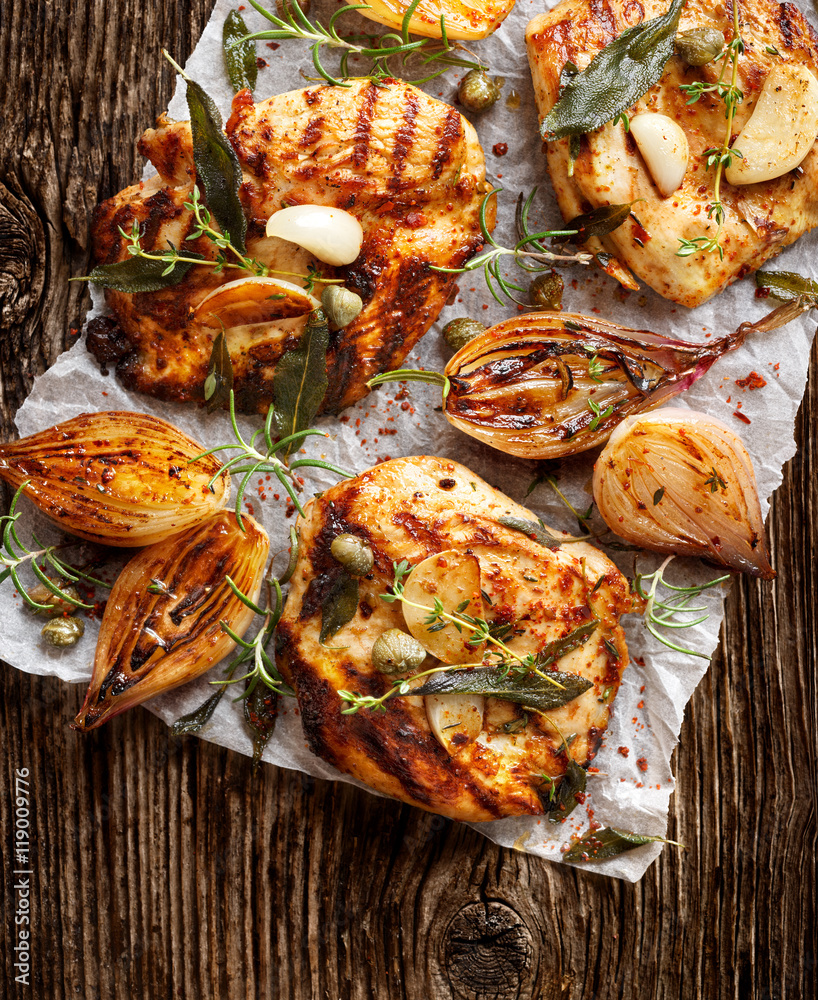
(455, 719)
(254, 300)
(453, 578)
(678, 481)
(330, 234)
(161, 626)
(664, 149)
(782, 128)
(116, 477)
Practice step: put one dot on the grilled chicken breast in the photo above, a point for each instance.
(408, 167)
(761, 218)
(410, 509)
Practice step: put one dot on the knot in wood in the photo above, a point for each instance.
(487, 952)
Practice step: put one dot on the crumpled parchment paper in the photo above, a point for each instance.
(630, 792)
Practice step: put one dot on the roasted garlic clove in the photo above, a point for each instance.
(679, 481)
(664, 149)
(162, 623)
(254, 300)
(115, 477)
(330, 234)
(455, 719)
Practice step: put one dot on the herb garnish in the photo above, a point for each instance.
(715, 482)
(239, 53)
(597, 845)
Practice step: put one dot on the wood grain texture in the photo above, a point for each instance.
(163, 869)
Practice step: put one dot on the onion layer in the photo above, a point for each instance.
(117, 478)
(161, 626)
(679, 481)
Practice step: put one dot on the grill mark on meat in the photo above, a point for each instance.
(363, 126)
(161, 208)
(312, 133)
(450, 135)
(605, 18)
(405, 134)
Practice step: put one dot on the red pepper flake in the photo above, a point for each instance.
(415, 220)
(641, 704)
(500, 148)
(751, 381)
(272, 45)
(261, 63)
(579, 796)
(741, 417)
(641, 689)
(623, 750)
(642, 764)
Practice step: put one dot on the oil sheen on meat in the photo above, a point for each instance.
(408, 167)
(411, 508)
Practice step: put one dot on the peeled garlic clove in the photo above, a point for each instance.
(664, 149)
(781, 129)
(115, 477)
(161, 626)
(455, 719)
(452, 577)
(678, 481)
(330, 234)
(254, 300)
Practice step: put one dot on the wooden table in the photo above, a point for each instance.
(164, 869)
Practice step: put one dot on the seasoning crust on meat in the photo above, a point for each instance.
(408, 167)
(409, 509)
(761, 219)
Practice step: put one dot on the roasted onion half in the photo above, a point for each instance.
(162, 623)
(679, 481)
(115, 477)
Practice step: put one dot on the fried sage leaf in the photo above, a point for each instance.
(572, 783)
(217, 166)
(787, 285)
(557, 648)
(597, 845)
(340, 606)
(532, 691)
(600, 222)
(138, 274)
(534, 529)
(260, 713)
(300, 379)
(615, 78)
(239, 53)
(193, 721)
(219, 381)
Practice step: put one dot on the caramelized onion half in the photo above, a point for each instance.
(679, 481)
(161, 626)
(115, 477)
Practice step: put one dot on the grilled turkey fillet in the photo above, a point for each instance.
(408, 167)
(761, 219)
(411, 508)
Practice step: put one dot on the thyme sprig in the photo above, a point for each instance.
(662, 614)
(721, 156)
(250, 461)
(293, 23)
(14, 555)
(530, 252)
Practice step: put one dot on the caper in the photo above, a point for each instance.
(353, 554)
(63, 631)
(53, 603)
(341, 305)
(458, 332)
(545, 291)
(698, 46)
(285, 8)
(478, 92)
(397, 652)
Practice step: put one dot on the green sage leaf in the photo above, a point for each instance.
(534, 529)
(239, 53)
(615, 78)
(340, 606)
(572, 783)
(598, 223)
(786, 285)
(193, 721)
(219, 381)
(217, 166)
(300, 379)
(557, 648)
(531, 691)
(137, 274)
(597, 845)
(260, 713)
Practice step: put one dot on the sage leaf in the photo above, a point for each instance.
(340, 605)
(557, 648)
(239, 53)
(615, 78)
(193, 721)
(217, 166)
(786, 285)
(260, 713)
(138, 274)
(534, 529)
(531, 691)
(598, 223)
(597, 845)
(300, 378)
(572, 783)
(219, 381)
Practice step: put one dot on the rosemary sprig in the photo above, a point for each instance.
(530, 252)
(293, 23)
(14, 555)
(662, 614)
(719, 156)
(251, 461)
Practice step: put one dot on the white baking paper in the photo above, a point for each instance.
(649, 708)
